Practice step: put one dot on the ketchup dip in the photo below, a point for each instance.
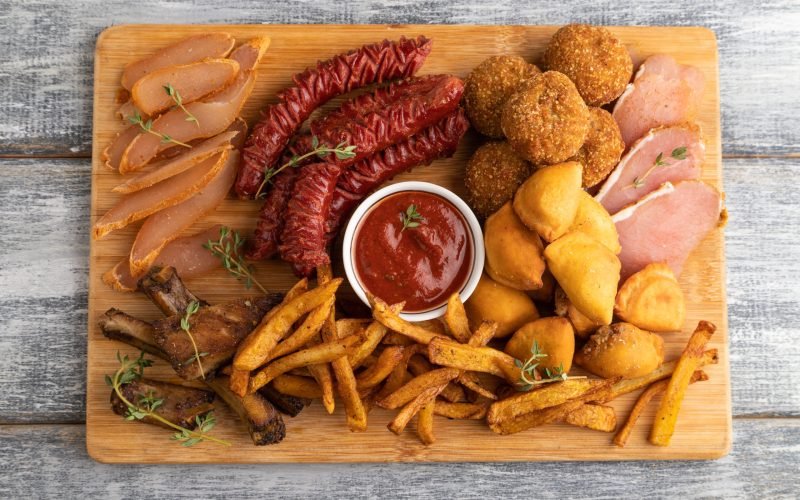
(420, 264)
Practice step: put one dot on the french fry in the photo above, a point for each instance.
(382, 368)
(461, 411)
(425, 423)
(256, 347)
(300, 387)
(322, 374)
(383, 313)
(373, 335)
(394, 338)
(593, 416)
(626, 386)
(545, 397)
(418, 385)
(305, 333)
(470, 381)
(398, 375)
(351, 326)
(405, 415)
(483, 334)
(320, 353)
(418, 365)
(445, 352)
(455, 317)
(621, 438)
(346, 380)
(239, 379)
(667, 415)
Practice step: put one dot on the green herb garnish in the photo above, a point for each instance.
(410, 218)
(229, 252)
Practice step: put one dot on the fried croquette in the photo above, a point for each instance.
(546, 121)
(488, 87)
(602, 149)
(595, 60)
(493, 175)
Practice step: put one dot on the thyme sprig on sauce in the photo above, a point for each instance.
(411, 218)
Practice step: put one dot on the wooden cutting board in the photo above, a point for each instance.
(704, 427)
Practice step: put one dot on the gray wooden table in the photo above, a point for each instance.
(46, 49)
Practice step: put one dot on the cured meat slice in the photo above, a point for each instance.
(664, 154)
(378, 62)
(666, 225)
(663, 93)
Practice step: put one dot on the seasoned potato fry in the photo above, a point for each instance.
(322, 374)
(625, 386)
(418, 365)
(351, 326)
(400, 373)
(554, 336)
(593, 416)
(548, 201)
(471, 381)
(382, 368)
(587, 271)
(455, 317)
(394, 338)
(547, 396)
(508, 307)
(621, 350)
(256, 347)
(483, 334)
(383, 313)
(544, 416)
(401, 420)
(305, 333)
(652, 300)
(425, 423)
(621, 438)
(593, 219)
(477, 359)
(320, 353)
(667, 415)
(300, 387)
(373, 335)
(460, 411)
(238, 381)
(513, 252)
(417, 385)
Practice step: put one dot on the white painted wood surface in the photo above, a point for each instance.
(45, 110)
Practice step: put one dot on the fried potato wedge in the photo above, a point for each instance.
(548, 201)
(418, 385)
(305, 332)
(541, 417)
(404, 416)
(471, 381)
(373, 335)
(667, 414)
(625, 386)
(460, 411)
(320, 353)
(508, 307)
(621, 350)
(513, 252)
(652, 300)
(382, 368)
(391, 320)
(477, 359)
(593, 219)
(256, 347)
(587, 271)
(418, 365)
(400, 375)
(425, 423)
(163, 88)
(324, 376)
(455, 317)
(299, 387)
(593, 416)
(483, 334)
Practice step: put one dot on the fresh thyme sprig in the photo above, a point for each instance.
(530, 377)
(176, 97)
(228, 252)
(146, 406)
(678, 153)
(191, 309)
(342, 152)
(411, 218)
(147, 126)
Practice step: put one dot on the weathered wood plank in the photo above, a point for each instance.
(45, 209)
(47, 59)
(50, 460)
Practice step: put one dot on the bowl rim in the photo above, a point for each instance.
(478, 253)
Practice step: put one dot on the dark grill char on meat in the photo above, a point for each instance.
(181, 404)
(164, 289)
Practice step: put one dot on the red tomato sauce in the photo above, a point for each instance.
(420, 265)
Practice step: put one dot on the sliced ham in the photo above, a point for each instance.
(187, 255)
(666, 225)
(665, 154)
(164, 226)
(663, 93)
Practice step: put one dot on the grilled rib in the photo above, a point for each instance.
(181, 405)
(166, 290)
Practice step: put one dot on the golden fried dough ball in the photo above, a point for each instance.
(548, 201)
(493, 174)
(488, 87)
(593, 58)
(621, 350)
(553, 336)
(602, 149)
(582, 325)
(652, 299)
(593, 219)
(545, 293)
(546, 121)
(509, 307)
(587, 271)
(513, 252)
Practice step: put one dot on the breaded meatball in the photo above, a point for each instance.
(489, 85)
(546, 121)
(593, 58)
(603, 148)
(493, 175)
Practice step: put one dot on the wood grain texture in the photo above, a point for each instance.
(46, 64)
(50, 461)
(313, 437)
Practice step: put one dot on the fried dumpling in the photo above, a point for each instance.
(548, 201)
(582, 325)
(507, 306)
(652, 299)
(595, 221)
(513, 252)
(621, 350)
